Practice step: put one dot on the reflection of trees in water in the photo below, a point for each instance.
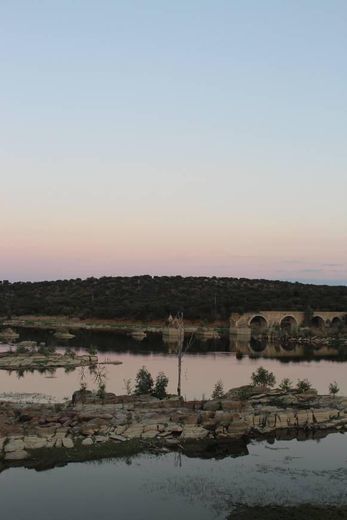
(118, 341)
(258, 344)
(20, 372)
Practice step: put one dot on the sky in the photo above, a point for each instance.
(194, 137)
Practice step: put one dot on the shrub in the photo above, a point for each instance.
(286, 384)
(46, 350)
(161, 383)
(101, 390)
(334, 388)
(21, 349)
(69, 352)
(128, 386)
(144, 382)
(218, 390)
(263, 377)
(303, 385)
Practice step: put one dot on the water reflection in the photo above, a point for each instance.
(262, 346)
(230, 359)
(258, 345)
(171, 486)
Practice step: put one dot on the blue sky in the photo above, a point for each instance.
(177, 137)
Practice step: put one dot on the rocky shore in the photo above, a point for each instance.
(89, 427)
(35, 361)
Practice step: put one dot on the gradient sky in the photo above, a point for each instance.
(187, 137)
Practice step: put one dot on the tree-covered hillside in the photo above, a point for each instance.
(146, 297)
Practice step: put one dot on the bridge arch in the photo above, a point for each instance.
(336, 323)
(317, 322)
(288, 323)
(258, 324)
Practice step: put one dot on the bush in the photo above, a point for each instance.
(101, 390)
(218, 390)
(144, 382)
(303, 385)
(128, 386)
(46, 350)
(286, 384)
(21, 349)
(161, 383)
(263, 377)
(334, 388)
(69, 352)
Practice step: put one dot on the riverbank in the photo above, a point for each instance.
(94, 324)
(36, 361)
(89, 427)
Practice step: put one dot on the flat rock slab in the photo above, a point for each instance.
(16, 455)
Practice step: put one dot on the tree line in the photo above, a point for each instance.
(149, 298)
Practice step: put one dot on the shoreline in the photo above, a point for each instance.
(90, 428)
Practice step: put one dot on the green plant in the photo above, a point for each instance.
(286, 384)
(69, 352)
(92, 350)
(100, 379)
(334, 388)
(21, 349)
(46, 350)
(263, 377)
(144, 382)
(218, 390)
(128, 386)
(303, 385)
(161, 383)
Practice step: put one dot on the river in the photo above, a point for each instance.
(203, 364)
(174, 486)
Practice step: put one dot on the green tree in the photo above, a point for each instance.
(303, 385)
(144, 382)
(334, 388)
(286, 384)
(160, 386)
(218, 390)
(263, 377)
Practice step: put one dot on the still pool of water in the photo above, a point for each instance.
(203, 365)
(174, 486)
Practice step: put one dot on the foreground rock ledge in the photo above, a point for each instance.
(89, 427)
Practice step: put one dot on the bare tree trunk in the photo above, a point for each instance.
(180, 352)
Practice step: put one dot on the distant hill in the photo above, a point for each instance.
(148, 298)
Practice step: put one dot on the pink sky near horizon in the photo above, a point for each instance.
(191, 138)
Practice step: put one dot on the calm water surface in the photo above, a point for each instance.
(203, 364)
(172, 486)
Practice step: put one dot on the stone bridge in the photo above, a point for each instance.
(263, 321)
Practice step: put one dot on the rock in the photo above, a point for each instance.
(150, 434)
(212, 405)
(2, 442)
(116, 437)
(16, 455)
(101, 438)
(87, 442)
(34, 443)
(232, 404)
(67, 442)
(172, 442)
(134, 431)
(194, 432)
(14, 444)
(58, 442)
(174, 428)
